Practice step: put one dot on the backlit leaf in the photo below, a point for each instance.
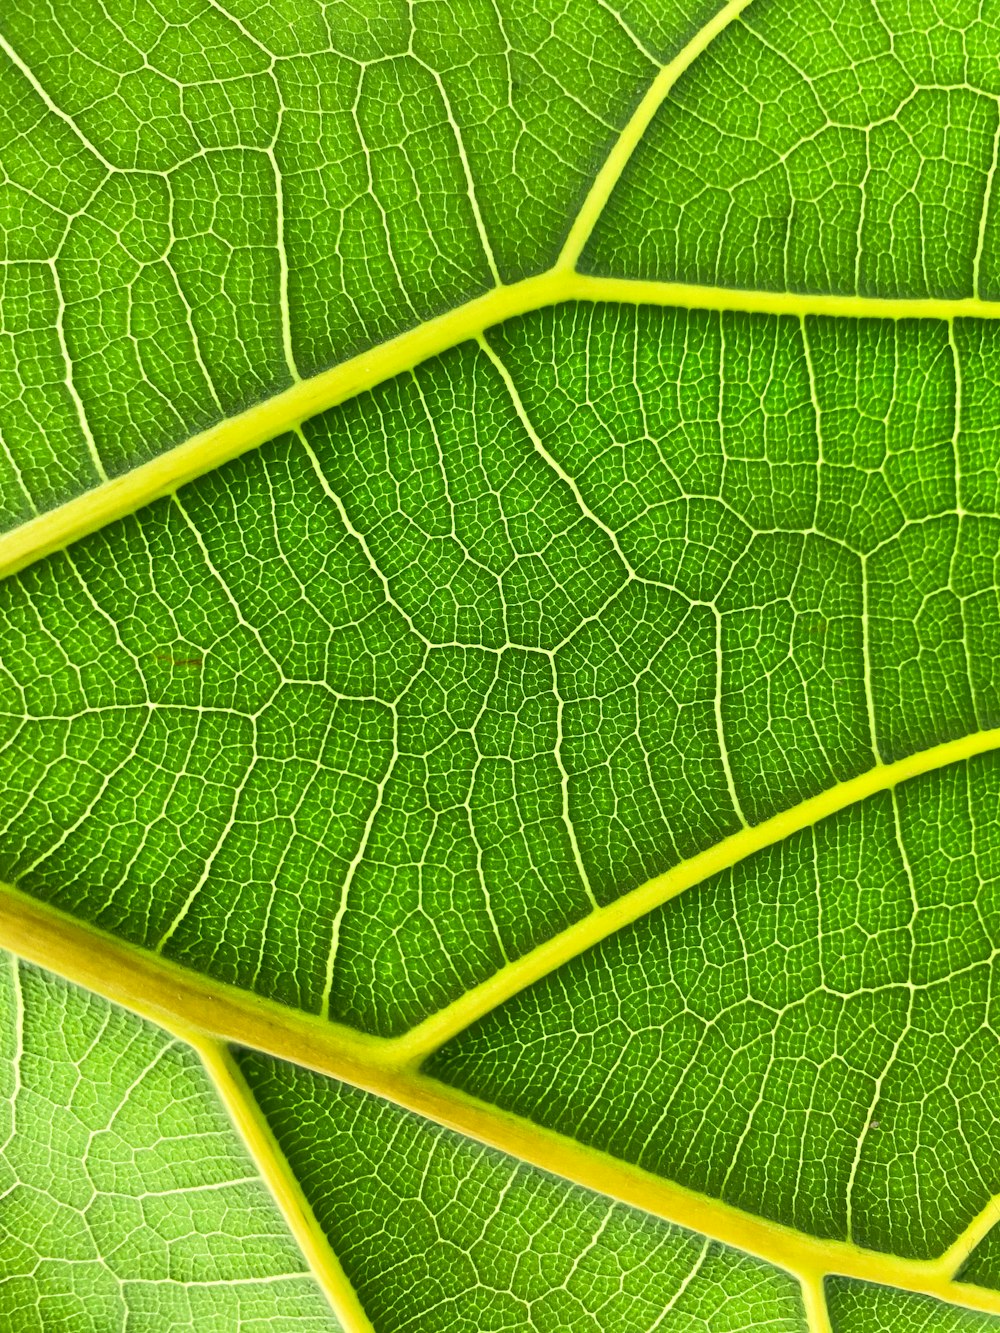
(499, 818)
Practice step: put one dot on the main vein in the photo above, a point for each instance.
(209, 1014)
(236, 435)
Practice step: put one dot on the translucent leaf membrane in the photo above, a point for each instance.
(817, 150)
(812, 1035)
(857, 1307)
(199, 200)
(127, 1202)
(358, 718)
(438, 1233)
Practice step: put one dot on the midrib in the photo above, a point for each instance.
(205, 1013)
(181, 999)
(236, 435)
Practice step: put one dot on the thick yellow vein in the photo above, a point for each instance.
(207, 1013)
(236, 435)
(799, 305)
(264, 421)
(284, 1187)
(170, 994)
(814, 1303)
(173, 995)
(434, 1031)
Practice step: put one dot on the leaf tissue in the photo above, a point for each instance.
(499, 666)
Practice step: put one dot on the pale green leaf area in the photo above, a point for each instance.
(125, 1201)
(499, 688)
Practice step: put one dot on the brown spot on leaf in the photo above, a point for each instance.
(179, 661)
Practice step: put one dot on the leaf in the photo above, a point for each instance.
(498, 695)
(127, 1202)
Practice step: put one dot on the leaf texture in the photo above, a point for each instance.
(498, 687)
(126, 1201)
(444, 1233)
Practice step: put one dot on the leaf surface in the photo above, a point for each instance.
(126, 1200)
(498, 691)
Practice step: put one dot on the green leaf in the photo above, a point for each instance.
(499, 706)
(428, 1223)
(126, 1201)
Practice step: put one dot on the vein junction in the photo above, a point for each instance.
(206, 1013)
(642, 580)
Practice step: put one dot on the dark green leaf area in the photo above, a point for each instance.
(983, 1264)
(858, 1307)
(811, 149)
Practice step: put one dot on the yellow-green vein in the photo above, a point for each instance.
(207, 1013)
(202, 453)
(415, 1045)
(626, 143)
(283, 1186)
